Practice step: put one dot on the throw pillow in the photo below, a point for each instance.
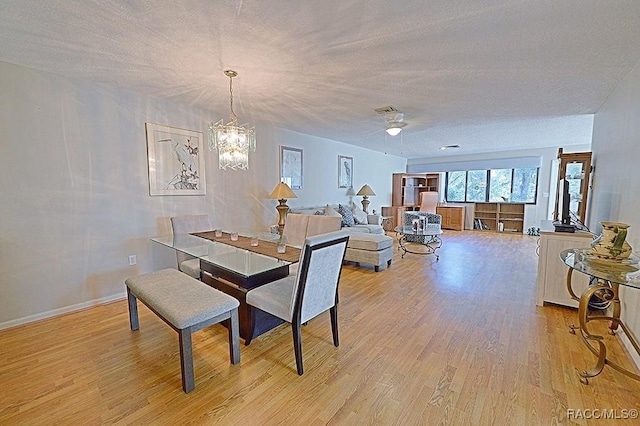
(330, 211)
(347, 215)
(319, 213)
(359, 215)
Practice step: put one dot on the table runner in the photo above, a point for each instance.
(266, 248)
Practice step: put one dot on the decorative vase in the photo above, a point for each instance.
(611, 243)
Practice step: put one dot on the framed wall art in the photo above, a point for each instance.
(176, 161)
(345, 171)
(291, 166)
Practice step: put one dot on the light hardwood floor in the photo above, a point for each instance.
(456, 342)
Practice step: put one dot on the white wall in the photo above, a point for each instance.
(616, 178)
(534, 213)
(75, 198)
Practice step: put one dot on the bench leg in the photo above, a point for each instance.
(234, 337)
(186, 359)
(133, 310)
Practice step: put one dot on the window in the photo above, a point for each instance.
(476, 185)
(496, 186)
(500, 185)
(456, 185)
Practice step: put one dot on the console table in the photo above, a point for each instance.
(607, 277)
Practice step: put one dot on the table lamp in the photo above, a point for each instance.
(365, 191)
(281, 192)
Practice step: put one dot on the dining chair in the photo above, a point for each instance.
(312, 291)
(428, 201)
(184, 225)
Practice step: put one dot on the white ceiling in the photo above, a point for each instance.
(487, 75)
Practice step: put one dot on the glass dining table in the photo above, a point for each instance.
(234, 270)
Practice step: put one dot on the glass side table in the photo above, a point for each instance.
(607, 277)
(419, 241)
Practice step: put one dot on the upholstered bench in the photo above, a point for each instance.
(373, 249)
(186, 305)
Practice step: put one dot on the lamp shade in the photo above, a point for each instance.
(282, 191)
(366, 190)
(350, 191)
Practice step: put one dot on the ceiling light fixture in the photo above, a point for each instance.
(450, 147)
(394, 119)
(393, 129)
(233, 142)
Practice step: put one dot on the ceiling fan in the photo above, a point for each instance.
(394, 119)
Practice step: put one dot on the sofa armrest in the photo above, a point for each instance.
(373, 219)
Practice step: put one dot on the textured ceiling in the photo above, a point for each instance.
(487, 75)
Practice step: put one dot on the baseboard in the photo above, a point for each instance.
(626, 343)
(62, 311)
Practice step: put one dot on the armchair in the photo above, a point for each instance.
(428, 201)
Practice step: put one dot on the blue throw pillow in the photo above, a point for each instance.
(347, 215)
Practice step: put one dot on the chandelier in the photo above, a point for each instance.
(232, 142)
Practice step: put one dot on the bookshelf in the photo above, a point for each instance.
(488, 216)
(406, 191)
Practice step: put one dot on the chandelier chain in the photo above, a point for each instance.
(234, 118)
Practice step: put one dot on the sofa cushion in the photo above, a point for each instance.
(359, 215)
(330, 211)
(347, 215)
(364, 229)
(372, 242)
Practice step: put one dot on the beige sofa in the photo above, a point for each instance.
(363, 247)
(372, 225)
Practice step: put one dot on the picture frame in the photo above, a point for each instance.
(291, 166)
(345, 171)
(176, 161)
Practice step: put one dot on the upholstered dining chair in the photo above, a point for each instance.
(428, 201)
(185, 225)
(312, 291)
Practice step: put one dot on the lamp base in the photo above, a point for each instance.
(365, 204)
(282, 213)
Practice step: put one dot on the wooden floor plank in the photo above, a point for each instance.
(458, 341)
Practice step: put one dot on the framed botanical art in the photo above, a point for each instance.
(176, 161)
(345, 171)
(291, 166)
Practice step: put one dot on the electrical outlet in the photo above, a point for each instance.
(132, 259)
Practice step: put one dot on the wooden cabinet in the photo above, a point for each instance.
(406, 191)
(552, 272)
(575, 168)
(452, 217)
(493, 216)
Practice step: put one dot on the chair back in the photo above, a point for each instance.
(428, 201)
(186, 225)
(316, 288)
(319, 224)
(295, 228)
